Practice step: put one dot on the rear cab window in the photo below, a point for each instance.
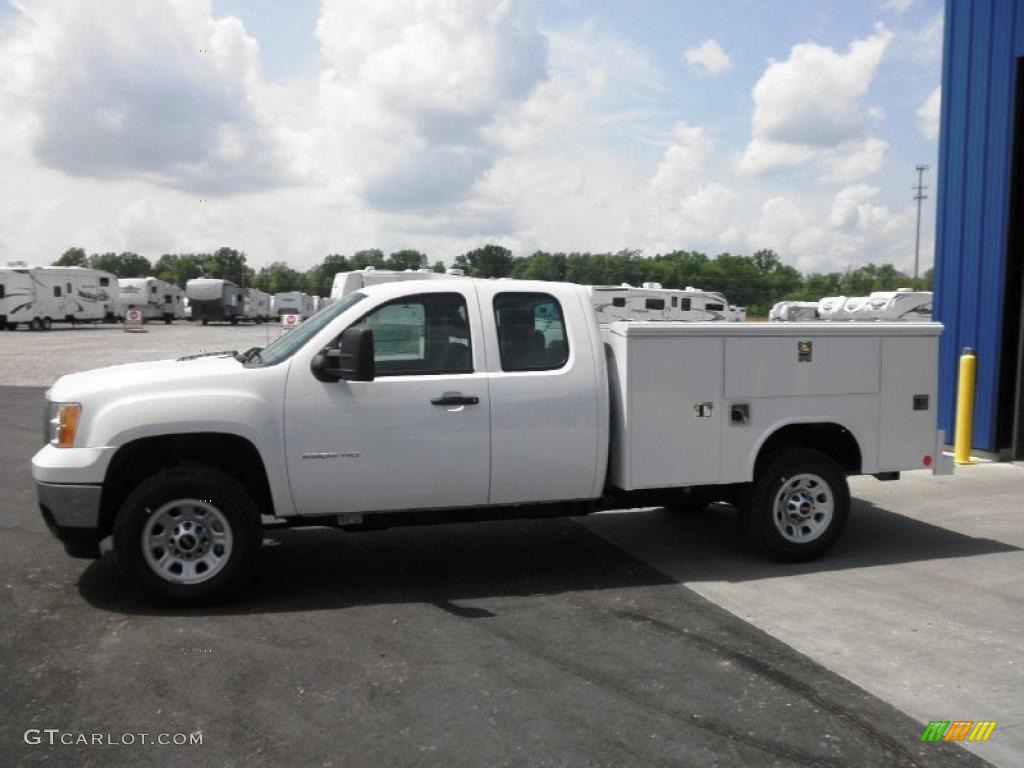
(531, 332)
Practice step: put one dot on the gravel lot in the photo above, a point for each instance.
(38, 358)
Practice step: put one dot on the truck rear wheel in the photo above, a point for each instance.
(797, 506)
(188, 535)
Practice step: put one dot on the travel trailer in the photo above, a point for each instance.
(794, 310)
(651, 302)
(40, 296)
(347, 282)
(157, 299)
(257, 306)
(903, 304)
(215, 300)
(293, 303)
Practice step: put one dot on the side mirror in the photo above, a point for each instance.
(351, 360)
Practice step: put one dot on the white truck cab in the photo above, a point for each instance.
(416, 402)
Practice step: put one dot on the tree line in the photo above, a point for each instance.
(755, 281)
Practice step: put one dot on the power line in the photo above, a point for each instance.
(919, 196)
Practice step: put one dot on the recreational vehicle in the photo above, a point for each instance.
(41, 296)
(651, 302)
(347, 282)
(294, 303)
(157, 299)
(257, 306)
(903, 304)
(784, 311)
(215, 300)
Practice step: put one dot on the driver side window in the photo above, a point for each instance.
(421, 335)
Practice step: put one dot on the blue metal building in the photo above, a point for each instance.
(979, 256)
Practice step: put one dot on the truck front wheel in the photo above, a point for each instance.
(188, 535)
(797, 506)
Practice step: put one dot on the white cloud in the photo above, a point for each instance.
(411, 87)
(855, 162)
(850, 229)
(708, 58)
(928, 114)
(810, 102)
(434, 124)
(683, 160)
(110, 90)
(898, 6)
(813, 96)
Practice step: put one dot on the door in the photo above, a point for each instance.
(545, 422)
(417, 436)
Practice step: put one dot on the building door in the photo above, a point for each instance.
(1013, 321)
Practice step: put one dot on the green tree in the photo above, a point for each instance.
(370, 257)
(439, 267)
(73, 257)
(406, 259)
(278, 277)
(318, 279)
(489, 261)
(178, 268)
(228, 264)
(125, 264)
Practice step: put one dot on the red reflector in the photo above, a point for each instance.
(927, 460)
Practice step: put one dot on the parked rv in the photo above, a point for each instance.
(257, 306)
(215, 300)
(652, 302)
(157, 299)
(903, 304)
(41, 296)
(788, 311)
(294, 303)
(347, 282)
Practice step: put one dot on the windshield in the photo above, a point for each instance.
(287, 345)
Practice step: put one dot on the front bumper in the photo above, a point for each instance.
(72, 513)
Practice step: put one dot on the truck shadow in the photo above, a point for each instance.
(323, 569)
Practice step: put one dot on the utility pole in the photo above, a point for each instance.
(919, 196)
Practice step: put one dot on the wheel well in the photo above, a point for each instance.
(139, 459)
(835, 441)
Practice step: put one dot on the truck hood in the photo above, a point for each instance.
(146, 377)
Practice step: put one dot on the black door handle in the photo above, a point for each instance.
(455, 400)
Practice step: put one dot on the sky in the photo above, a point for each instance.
(291, 130)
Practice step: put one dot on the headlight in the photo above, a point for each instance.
(62, 424)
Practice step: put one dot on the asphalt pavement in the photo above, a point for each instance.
(534, 643)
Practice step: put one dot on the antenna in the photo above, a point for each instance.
(919, 196)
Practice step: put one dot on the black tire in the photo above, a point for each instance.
(205, 321)
(155, 496)
(167, 320)
(797, 506)
(47, 323)
(12, 326)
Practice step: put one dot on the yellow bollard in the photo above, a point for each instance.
(965, 407)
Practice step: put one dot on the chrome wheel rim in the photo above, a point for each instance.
(187, 541)
(803, 508)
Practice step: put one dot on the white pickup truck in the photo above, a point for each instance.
(455, 400)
